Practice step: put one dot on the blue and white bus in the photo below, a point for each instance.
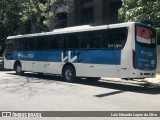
(124, 50)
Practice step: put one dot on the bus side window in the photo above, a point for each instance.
(114, 38)
(29, 43)
(71, 41)
(10, 47)
(95, 40)
(60, 43)
(21, 44)
(84, 41)
(119, 36)
(105, 39)
(41, 43)
(55, 42)
(16, 44)
(52, 42)
(91, 40)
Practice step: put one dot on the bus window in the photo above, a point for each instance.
(55, 42)
(91, 40)
(16, 44)
(145, 36)
(41, 43)
(85, 43)
(71, 41)
(114, 38)
(29, 43)
(95, 40)
(10, 46)
(105, 39)
(52, 42)
(21, 44)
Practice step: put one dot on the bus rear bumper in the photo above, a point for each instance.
(140, 74)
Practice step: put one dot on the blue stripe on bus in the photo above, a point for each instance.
(83, 56)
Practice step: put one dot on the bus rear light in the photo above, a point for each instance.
(134, 59)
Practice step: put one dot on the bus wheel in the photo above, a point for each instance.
(69, 74)
(18, 69)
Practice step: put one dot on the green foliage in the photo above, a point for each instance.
(147, 11)
(9, 17)
(17, 15)
(140, 11)
(28, 16)
(42, 12)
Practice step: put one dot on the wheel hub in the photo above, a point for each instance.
(18, 69)
(68, 74)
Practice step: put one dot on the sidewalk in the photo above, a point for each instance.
(154, 80)
(151, 81)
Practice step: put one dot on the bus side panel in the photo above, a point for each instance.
(98, 70)
(79, 69)
(100, 63)
(42, 67)
(92, 63)
(9, 64)
(126, 54)
(50, 67)
(28, 66)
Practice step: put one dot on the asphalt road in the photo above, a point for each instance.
(48, 93)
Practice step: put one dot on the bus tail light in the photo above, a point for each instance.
(134, 59)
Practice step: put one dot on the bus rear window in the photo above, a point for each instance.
(145, 35)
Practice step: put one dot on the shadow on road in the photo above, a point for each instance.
(119, 86)
(108, 94)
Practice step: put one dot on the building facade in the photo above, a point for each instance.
(158, 59)
(95, 12)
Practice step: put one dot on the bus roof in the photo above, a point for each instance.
(73, 30)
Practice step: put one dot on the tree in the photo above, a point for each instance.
(15, 15)
(9, 19)
(40, 12)
(146, 11)
(141, 10)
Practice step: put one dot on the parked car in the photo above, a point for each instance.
(1, 63)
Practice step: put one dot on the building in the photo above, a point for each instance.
(95, 12)
(158, 59)
(158, 53)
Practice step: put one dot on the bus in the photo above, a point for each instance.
(123, 50)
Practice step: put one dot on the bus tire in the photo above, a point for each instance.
(69, 74)
(18, 69)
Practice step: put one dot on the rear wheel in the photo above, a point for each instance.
(69, 74)
(18, 69)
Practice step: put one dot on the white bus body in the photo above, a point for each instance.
(122, 68)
